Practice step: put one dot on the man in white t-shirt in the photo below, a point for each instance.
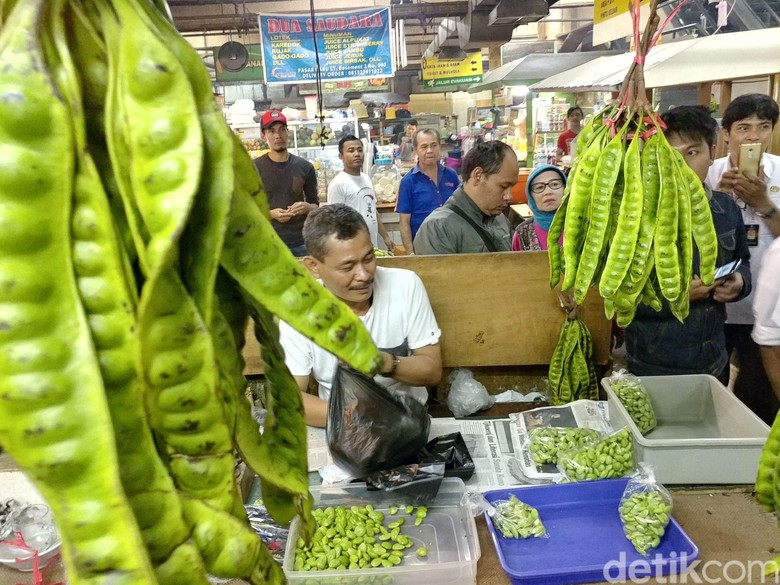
(750, 119)
(766, 309)
(354, 188)
(391, 303)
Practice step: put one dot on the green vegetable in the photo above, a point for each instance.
(645, 516)
(516, 519)
(571, 374)
(612, 456)
(350, 538)
(54, 419)
(122, 192)
(421, 552)
(547, 442)
(633, 395)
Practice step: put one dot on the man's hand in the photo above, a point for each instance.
(729, 289)
(750, 188)
(389, 243)
(698, 291)
(299, 208)
(281, 215)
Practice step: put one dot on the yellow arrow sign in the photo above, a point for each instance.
(433, 68)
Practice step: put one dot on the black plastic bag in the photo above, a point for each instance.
(373, 428)
(452, 450)
(416, 484)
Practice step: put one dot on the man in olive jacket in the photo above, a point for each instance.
(472, 220)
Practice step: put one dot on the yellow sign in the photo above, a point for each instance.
(612, 19)
(471, 66)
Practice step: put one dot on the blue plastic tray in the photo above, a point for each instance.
(585, 536)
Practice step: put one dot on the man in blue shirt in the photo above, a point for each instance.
(426, 187)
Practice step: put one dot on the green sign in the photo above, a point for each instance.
(467, 80)
(253, 71)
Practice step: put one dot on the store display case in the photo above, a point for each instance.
(549, 121)
(303, 135)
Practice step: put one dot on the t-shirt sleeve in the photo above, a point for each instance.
(562, 143)
(404, 203)
(298, 350)
(423, 330)
(336, 192)
(310, 186)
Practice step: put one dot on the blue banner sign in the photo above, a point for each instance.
(352, 45)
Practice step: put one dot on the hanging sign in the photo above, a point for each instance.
(436, 72)
(612, 19)
(352, 45)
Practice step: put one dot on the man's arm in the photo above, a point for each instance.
(315, 408)
(384, 233)
(770, 354)
(405, 221)
(422, 368)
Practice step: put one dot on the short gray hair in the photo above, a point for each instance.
(336, 219)
(425, 131)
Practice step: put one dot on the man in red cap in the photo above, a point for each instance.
(290, 183)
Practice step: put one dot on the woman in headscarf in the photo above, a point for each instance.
(544, 191)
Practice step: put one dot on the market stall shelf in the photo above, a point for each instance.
(585, 540)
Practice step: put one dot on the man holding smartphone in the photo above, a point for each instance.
(748, 122)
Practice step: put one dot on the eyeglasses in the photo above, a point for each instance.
(540, 187)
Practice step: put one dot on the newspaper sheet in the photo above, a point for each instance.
(491, 442)
(586, 414)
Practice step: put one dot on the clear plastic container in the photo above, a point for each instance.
(448, 532)
(386, 177)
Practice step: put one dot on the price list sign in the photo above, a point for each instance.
(352, 45)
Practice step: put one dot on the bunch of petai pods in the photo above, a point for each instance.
(135, 246)
(572, 375)
(631, 214)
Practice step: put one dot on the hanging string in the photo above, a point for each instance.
(665, 23)
(318, 76)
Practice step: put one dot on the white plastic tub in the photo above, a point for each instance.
(448, 532)
(705, 435)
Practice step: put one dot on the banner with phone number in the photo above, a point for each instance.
(352, 45)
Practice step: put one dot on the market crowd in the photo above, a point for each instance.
(737, 318)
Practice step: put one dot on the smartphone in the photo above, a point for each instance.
(727, 269)
(749, 158)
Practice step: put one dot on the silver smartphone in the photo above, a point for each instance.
(727, 270)
(749, 158)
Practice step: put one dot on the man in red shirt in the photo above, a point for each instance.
(573, 126)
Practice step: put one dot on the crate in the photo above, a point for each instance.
(705, 435)
(448, 532)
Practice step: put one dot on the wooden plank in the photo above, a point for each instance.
(498, 309)
(493, 310)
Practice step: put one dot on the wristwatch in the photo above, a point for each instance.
(393, 367)
(767, 214)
